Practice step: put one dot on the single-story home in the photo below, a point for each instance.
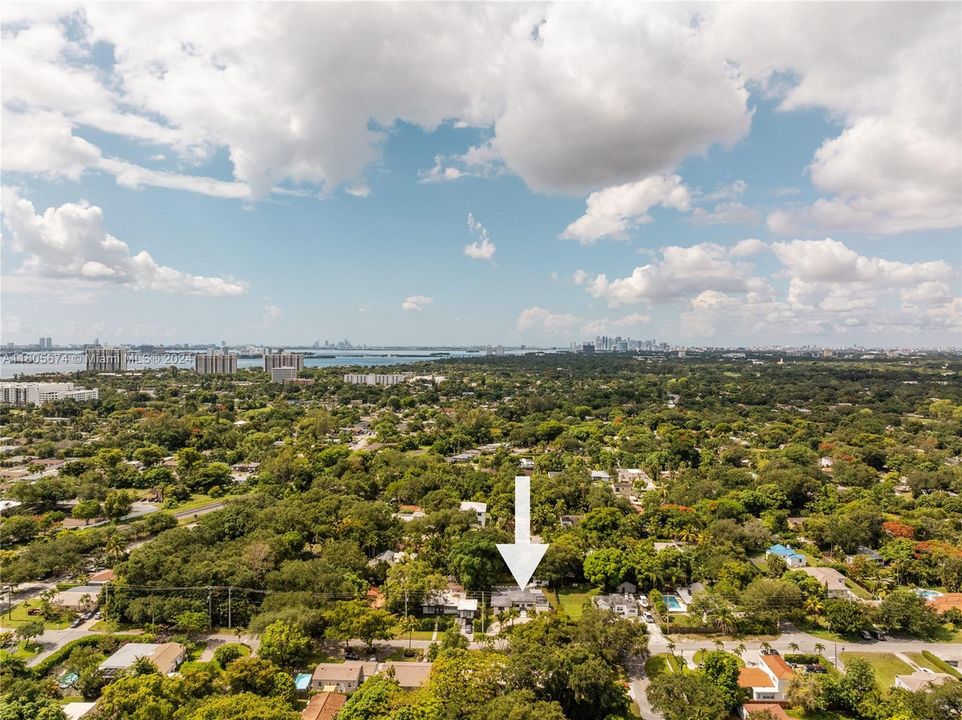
(345, 677)
(102, 577)
(166, 656)
(920, 680)
(77, 710)
(79, 598)
(323, 706)
(409, 675)
(530, 599)
(946, 601)
(832, 580)
(601, 475)
(776, 711)
(768, 681)
(792, 558)
(624, 605)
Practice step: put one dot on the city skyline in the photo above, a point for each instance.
(707, 175)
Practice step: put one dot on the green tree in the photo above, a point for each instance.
(688, 696)
(245, 706)
(191, 623)
(117, 504)
(606, 567)
(904, 611)
(721, 668)
(846, 617)
(86, 510)
(30, 630)
(284, 644)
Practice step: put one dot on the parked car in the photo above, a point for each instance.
(769, 651)
(814, 668)
(867, 635)
(648, 618)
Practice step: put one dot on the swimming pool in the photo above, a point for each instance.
(928, 594)
(673, 603)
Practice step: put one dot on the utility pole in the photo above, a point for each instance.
(210, 606)
(230, 624)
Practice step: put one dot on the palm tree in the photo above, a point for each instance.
(793, 646)
(719, 644)
(819, 649)
(408, 624)
(740, 649)
(723, 619)
(813, 607)
(766, 647)
(671, 647)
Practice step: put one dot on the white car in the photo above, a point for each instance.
(649, 618)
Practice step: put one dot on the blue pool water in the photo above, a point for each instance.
(673, 603)
(928, 594)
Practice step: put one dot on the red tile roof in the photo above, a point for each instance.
(778, 666)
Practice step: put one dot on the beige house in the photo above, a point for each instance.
(79, 599)
(920, 680)
(832, 580)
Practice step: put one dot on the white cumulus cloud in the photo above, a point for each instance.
(416, 302)
(614, 211)
(71, 242)
(482, 248)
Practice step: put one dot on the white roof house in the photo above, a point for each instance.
(480, 510)
(166, 656)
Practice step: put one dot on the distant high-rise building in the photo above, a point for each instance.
(283, 359)
(49, 342)
(215, 363)
(106, 359)
(283, 374)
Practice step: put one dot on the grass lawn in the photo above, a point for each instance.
(18, 616)
(657, 665)
(416, 635)
(573, 599)
(886, 666)
(27, 651)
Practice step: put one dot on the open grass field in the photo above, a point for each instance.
(571, 601)
(886, 666)
(20, 615)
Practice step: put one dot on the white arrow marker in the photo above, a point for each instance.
(523, 556)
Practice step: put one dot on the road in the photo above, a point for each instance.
(198, 511)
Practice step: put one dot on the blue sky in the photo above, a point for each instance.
(334, 225)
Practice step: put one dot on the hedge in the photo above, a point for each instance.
(941, 664)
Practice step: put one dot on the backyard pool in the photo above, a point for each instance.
(673, 603)
(928, 594)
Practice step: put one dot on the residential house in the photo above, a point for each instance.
(600, 475)
(568, 521)
(791, 557)
(407, 513)
(78, 598)
(946, 601)
(102, 577)
(450, 602)
(77, 710)
(627, 588)
(409, 675)
(777, 712)
(531, 599)
(345, 677)
(623, 488)
(768, 681)
(323, 706)
(167, 657)
(479, 509)
(526, 464)
(635, 475)
(920, 680)
(832, 580)
(624, 605)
